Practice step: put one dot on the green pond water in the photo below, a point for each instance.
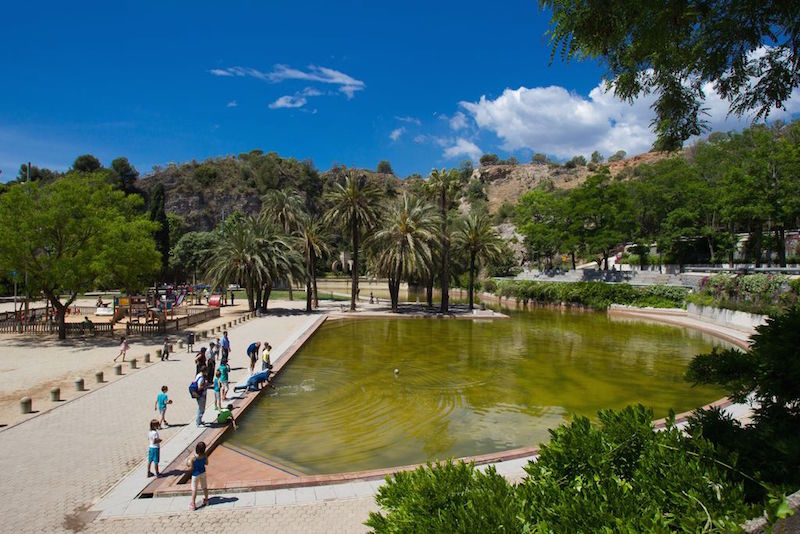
(464, 387)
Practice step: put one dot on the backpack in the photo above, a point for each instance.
(194, 390)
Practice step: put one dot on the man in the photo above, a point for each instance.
(254, 382)
(252, 353)
(200, 380)
(226, 346)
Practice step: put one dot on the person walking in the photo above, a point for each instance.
(123, 349)
(161, 405)
(226, 346)
(252, 354)
(165, 350)
(200, 380)
(196, 465)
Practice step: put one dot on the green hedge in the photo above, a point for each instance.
(597, 295)
(767, 294)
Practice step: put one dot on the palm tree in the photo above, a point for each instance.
(283, 207)
(238, 257)
(443, 186)
(402, 245)
(354, 204)
(475, 236)
(314, 239)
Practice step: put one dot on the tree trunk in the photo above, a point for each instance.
(429, 291)
(289, 283)
(757, 236)
(573, 260)
(394, 289)
(265, 301)
(471, 278)
(354, 285)
(782, 245)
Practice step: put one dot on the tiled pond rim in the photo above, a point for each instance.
(138, 495)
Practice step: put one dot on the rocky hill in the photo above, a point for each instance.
(204, 192)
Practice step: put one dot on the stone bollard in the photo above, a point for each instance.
(230, 324)
(147, 356)
(133, 363)
(55, 394)
(172, 347)
(118, 369)
(180, 344)
(159, 354)
(79, 384)
(98, 376)
(25, 405)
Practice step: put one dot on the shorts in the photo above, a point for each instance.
(224, 384)
(154, 454)
(199, 480)
(253, 357)
(162, 411)
(217, 396)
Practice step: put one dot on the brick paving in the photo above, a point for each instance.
(56, 466)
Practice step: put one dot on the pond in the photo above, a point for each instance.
(463, 387)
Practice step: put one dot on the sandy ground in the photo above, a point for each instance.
(31, 365)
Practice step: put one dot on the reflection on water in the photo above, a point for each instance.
(464, 387)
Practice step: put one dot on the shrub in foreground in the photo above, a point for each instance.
(617, 476)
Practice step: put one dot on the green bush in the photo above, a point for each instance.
(767, 294)
(593, 294)
(617, 476)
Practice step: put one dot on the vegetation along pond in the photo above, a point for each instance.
(464, 387)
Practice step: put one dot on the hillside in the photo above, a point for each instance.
(506, 183)
(203, 192)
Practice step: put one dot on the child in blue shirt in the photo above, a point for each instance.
(217, 387)
(161, 405)
(197, 463)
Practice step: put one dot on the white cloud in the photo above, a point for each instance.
(555, 121)
(289, 101)
(462, 147)
(396, 133)
(458, 121)
(231, 104)
(347, 84)
(419, 139)
(410, 120)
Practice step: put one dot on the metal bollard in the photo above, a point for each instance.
(147, 356)
(79, 384)
(55, 394)
(133, 363)
(25, 405)
(118, 369)
(98, 376)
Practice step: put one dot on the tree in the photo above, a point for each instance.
(401, 246)
(127, 174)
(475, 236)
(190, 253)
(539, 159)
(384, 167)
(769, 375)
(749, 53)
(597, 157)
(443, 187)
(86, 163)
(314, 237)
(619, 155)
(159, 216)
(489, 159)
(69, 235)
(283, 207)
(37, 174)
(355, 206)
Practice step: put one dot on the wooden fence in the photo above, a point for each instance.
(172, 325)
(72, 329)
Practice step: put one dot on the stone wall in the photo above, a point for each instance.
(743, 321)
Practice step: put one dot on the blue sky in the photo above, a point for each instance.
(422, 84)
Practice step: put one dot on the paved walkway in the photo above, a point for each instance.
(58, 466)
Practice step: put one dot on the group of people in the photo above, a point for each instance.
(212, 371)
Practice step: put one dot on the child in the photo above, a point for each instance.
(123, 349)
(226, 416)
(197, 463)
(165, 350)
(161, 405)
(217, 386)
(224, 369)
(154, 452)
(265, 357)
